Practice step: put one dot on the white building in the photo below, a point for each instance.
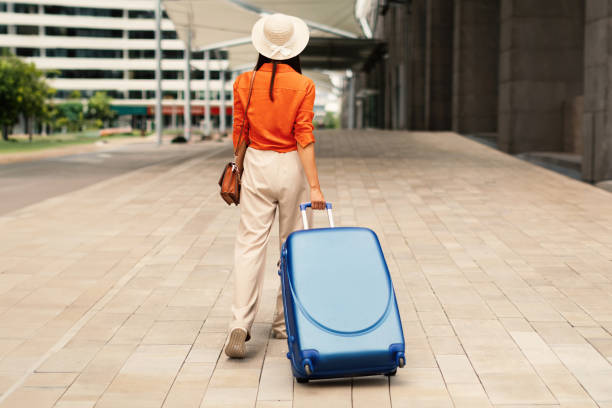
(110, 46)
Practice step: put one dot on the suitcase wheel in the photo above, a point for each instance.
(391, 373)
(308, 370)
(402, 361)
(302, 380)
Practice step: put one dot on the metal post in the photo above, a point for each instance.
(158, 74)
(207, 127)
(222, 104)
(187, 74)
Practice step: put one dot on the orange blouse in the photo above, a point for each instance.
(280, 124)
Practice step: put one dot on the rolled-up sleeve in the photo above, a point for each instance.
(303, 121)
(238, 116)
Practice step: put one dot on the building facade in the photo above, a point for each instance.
(532, 75)
(110, 46)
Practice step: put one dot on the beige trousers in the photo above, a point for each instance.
(270, 181)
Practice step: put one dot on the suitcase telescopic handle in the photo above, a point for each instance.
(330, 216)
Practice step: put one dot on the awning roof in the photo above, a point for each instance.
(211, 21)
(225, 21)
(226, 24)
(338, 53)
(335, 14)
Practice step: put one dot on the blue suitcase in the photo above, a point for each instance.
(340, 308)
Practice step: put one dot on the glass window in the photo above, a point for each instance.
(83, 53)
(83, 32)
(150, 95)
(135, 94)
(218, 54)
(25, 8)
(3, 29)
(27, 52)
(141, 34)
(169, 35)
(26, 30)
(214, 54)
(3, 6)
(62, 94)
(83, 11)
(172, 54)
(197, 74)
(141, 54)
(215, 75)
(113, 93)
(164, 14)
(90, 74)
(172, 74)
(170, 95)
(141, 14)
(141, 74)
(150, 34)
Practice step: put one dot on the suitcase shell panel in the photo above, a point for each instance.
(340, 307)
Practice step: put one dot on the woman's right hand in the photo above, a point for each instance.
(316, 198)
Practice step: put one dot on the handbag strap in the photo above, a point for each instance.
(244, 117)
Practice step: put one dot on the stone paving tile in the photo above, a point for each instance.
(371, 392)
(189, 386)
(502, 271)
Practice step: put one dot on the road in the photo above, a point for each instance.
(25, 183)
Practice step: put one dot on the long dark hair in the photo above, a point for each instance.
(292, 62)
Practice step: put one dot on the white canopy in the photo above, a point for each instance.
(211, 21)
(333, 14)
(225, 23)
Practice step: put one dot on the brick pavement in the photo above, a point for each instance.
(118, 295)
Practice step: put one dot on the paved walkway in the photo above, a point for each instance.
(118, 294)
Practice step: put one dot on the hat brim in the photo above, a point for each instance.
(297, 43)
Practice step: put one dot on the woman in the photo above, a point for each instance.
(279, 167)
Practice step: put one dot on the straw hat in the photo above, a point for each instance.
(280, 37)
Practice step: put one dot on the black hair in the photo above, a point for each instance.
(292, 62)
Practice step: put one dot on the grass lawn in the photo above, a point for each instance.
(20, 143)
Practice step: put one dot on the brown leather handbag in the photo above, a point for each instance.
(230, 177)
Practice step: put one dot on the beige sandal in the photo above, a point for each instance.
(236, 346)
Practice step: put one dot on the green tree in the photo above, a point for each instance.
(331, 121)
(36, 96)
(9, 92)
(70, 114)
(23, 90)
(99, 108)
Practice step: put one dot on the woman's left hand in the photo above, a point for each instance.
(316, 198)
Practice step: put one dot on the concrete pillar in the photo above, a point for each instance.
(418, 32)
(351, 101)
(397, 66)
(475, 66)
(540, 67)
(597, 119)
(439, 65)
